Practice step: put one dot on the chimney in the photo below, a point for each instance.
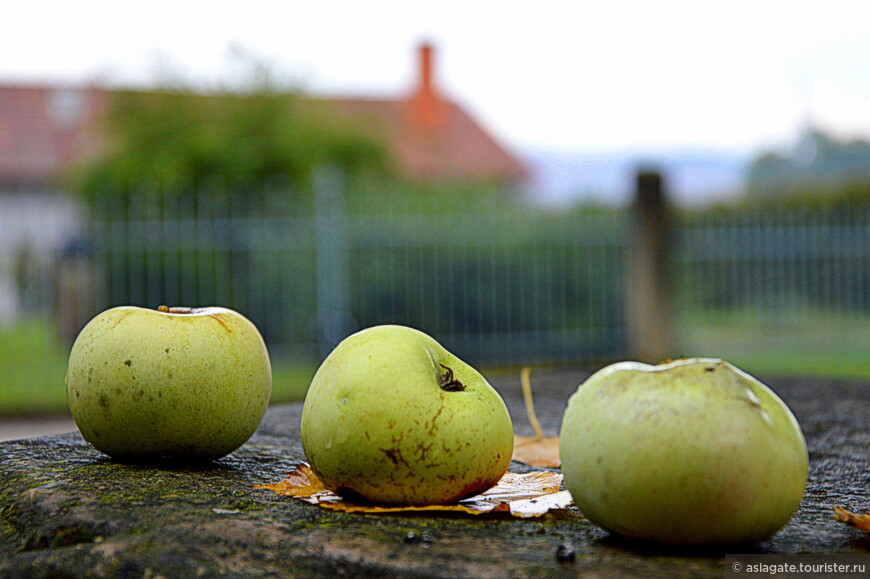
(426, 102)
(426, 54)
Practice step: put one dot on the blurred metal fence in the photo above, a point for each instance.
(786, 259)
(506, 288)
(788, 282)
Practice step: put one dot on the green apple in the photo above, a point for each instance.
(173, 382)
(689, 452)
(395, 418)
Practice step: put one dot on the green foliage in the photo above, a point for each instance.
(171, 142)
(376, 195)
(818, 169)
(842, 196)
(257, 141)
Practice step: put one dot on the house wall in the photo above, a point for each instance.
(35, 225)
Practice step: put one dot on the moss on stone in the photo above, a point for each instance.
(67, 510)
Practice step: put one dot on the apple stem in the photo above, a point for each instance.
(448, 383)
(526, 384)
(175, 310)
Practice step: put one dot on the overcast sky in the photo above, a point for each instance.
(566, 76)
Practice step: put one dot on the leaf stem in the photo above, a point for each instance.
(526, 384)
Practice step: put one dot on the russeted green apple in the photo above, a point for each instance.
(395, 418)
(688, 452)
(171, 382)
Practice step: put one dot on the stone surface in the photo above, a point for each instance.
(67, 510)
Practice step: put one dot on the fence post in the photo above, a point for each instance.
(75, 289)
(649, 307)
(333, 311)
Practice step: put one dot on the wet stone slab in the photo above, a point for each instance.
(66, 510)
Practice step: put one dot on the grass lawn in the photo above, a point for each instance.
(768, 343)
(32, 367)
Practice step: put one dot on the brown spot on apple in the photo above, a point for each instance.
(217, 318)
(119, 320)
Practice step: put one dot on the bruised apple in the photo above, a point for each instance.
(172, 382)
(689, 452)
(393, 417)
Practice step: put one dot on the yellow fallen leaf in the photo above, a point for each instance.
(300, 482)
(523, 495)
(538, 450)
(861, 521)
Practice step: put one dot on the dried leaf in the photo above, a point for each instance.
(538, 451)
(523, 495)
(300, 482)
(861, 521)
(540, 505)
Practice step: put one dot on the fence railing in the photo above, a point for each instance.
(514, 287)
(786, 258)
(789, 285)
(504, 288)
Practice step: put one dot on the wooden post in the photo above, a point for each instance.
(74, 293)
(649, 308)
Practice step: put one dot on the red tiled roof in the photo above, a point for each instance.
(451, 147)
(44, 129)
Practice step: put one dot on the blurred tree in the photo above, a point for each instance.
(173, 140)
(247, 150)
(818, 165)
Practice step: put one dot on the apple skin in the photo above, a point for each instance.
(376, 422)
(182, 382)
(690, 452)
